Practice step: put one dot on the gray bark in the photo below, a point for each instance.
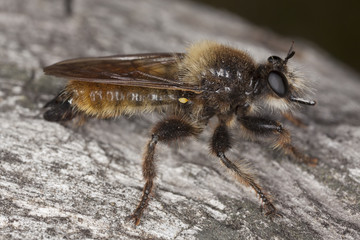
(60, 181)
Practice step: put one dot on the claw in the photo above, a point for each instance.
(134, 217)
(313, 162)
(272, 211)
(310, 161)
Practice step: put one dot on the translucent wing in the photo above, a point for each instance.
(153, 70)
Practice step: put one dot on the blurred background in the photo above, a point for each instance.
(332, 25)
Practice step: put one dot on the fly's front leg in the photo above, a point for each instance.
(220, 143)
(265, 127)
(165, 131)
(294, 120)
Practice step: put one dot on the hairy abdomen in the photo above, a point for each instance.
(107, 101)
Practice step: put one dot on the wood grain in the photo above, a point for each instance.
(62, 181)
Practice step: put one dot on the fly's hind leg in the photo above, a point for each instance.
(265, 127)
(220, 143)
(165, 131)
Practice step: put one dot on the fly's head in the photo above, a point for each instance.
(281, 88)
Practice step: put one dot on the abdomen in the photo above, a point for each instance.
(107, 101)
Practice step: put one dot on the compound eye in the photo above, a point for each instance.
(278, 83)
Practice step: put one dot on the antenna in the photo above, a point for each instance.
(290, 54)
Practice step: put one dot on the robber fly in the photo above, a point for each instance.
(209, 80)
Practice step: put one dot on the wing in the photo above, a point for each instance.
(153, 70)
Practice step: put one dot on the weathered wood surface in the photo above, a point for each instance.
(64, 182)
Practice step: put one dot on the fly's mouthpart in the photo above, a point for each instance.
(302, 101)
